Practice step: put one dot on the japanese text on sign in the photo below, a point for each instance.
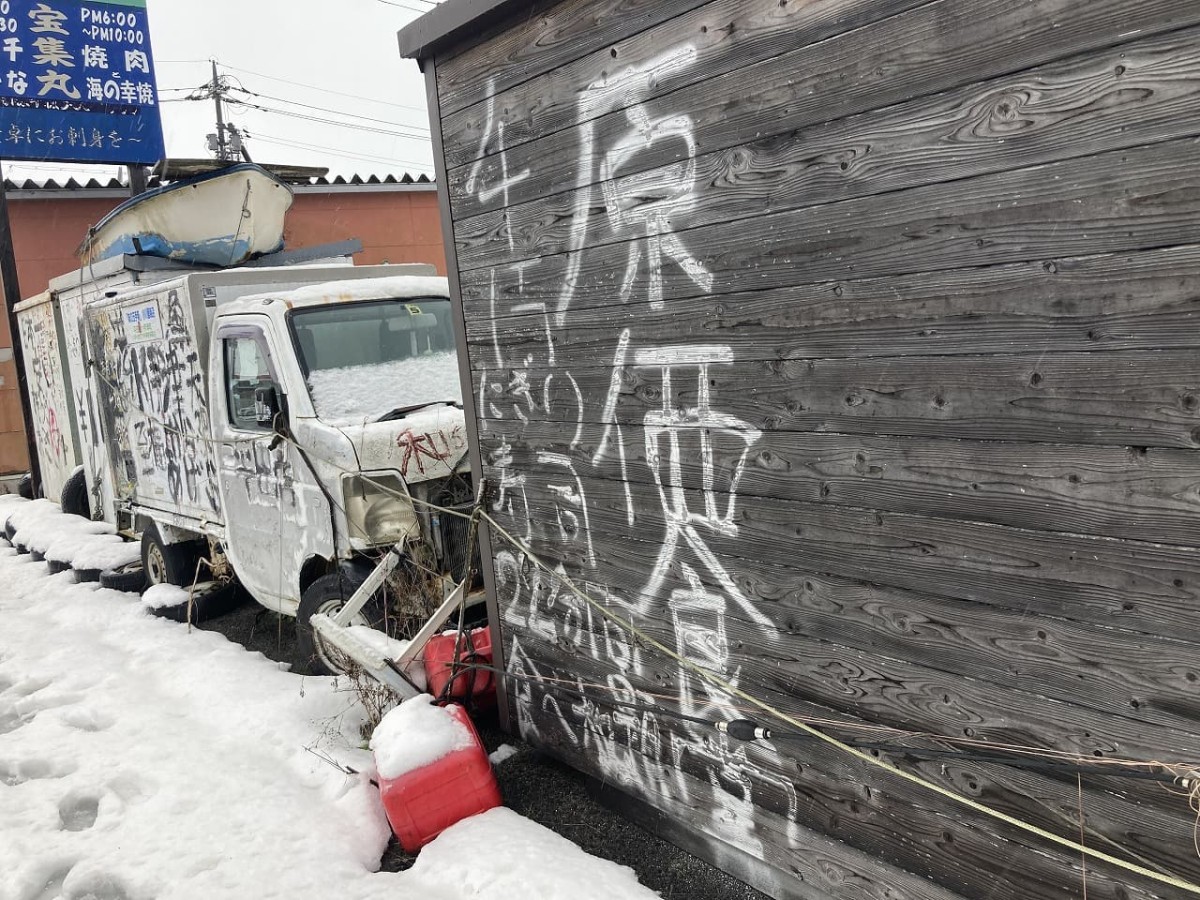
(77, 81)
(143, 324)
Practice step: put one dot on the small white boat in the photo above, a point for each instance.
(221, 218)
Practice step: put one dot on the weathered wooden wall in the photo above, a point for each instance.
(851, 348)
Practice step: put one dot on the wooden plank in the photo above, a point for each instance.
(669, 820)
(551, 36)
(1007, 647)
(718, 36)
(1143, 399)
(1126, 200)
(1127, 301)
(866, 69)
(996, 701)
(1142, 495)
(890, 819)
(1138, 93)
(1147, 588)
(1139, 820)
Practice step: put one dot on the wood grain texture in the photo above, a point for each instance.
(866, 69)
(1031, 698)
(720, 35)
(1147, 588)
(1133, 493)
(1143, 399)
(889, 818)
(1148, 300)
(1137, 93)
(549, 36)
(1139, 816)
(1126, 200)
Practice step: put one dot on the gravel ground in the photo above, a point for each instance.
(533, 785)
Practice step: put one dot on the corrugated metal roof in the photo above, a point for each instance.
(112, 184)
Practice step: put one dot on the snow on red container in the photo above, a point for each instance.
(476, 685)
(433, 770)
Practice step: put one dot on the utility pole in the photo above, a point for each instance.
(218, 93)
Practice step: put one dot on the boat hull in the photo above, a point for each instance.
(220, 219)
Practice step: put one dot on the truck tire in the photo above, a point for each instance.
(25, 486)
(130, 578)
(74, 499)
(168, 563)
(327, 595)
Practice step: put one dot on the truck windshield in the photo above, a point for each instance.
(365, 360)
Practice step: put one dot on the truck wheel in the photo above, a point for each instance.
(327, 595)
(25, 487)
(130, 578)
(166, 563)
(74, 499)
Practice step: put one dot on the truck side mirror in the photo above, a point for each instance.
(266, 405)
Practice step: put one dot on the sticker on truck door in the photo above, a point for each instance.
(143, 323)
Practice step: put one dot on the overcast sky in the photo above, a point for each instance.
(313, 64)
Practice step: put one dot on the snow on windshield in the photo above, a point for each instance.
(355, 393)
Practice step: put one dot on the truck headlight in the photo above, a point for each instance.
(378, 509)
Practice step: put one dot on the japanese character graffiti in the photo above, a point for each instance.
(47, 395)
(150, 383)
(688, 590)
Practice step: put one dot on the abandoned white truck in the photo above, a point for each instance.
(285, 425)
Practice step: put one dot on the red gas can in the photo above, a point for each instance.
(476, 685)
(423, 803)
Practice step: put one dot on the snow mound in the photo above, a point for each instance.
(500, 855)
(158, 596)
(354, 393)
(44, 528)
(416, 734)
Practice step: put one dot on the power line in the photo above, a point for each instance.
(327, 109)
(313, 87)
(323, 121)
(334, 151)
(415, 9)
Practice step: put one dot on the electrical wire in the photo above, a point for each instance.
(333, 151)
(313, 87)
(327, 109)
(323, 121)
(415, 9)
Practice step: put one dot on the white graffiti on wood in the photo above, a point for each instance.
(620, 728)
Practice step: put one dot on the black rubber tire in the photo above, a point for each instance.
(57, 566)
(37, 555)
(10, 531)
(205, 605)
(25, 486)
(74, 499)
(327, 595)
(87, 575)
(130, 578)
(168, 563)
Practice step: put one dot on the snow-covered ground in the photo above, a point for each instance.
(141, 761)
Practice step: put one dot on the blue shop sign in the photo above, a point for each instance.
(77, 82)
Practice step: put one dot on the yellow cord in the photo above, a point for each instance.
(716, 680)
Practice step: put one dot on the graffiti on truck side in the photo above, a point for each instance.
(150, 384)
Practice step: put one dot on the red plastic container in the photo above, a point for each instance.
(478, 685)
(423, 803)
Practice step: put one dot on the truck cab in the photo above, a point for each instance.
(338, 429)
